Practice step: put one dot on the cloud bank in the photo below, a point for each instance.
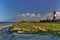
(35, 17)
(29, 17)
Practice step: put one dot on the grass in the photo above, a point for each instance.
(37, 28)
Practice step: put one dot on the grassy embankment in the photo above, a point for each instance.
(37, 28)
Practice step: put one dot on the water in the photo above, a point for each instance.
(5, 23)
(5, 35)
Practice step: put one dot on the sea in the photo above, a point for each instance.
(6, 35)
(5, 23)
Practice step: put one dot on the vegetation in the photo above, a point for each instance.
(37, 27)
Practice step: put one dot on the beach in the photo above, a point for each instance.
(5, 26)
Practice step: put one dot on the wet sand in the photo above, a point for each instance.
(5, 26)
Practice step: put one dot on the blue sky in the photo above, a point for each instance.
(9, 9)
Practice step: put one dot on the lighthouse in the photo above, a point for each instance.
(54, 15)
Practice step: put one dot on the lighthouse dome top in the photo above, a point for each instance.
(54, 12)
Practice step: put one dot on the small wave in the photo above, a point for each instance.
(5, 26)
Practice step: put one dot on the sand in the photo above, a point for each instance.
(5, 26)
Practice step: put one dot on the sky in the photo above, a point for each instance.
(16, 10)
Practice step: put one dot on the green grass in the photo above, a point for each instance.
(50, 27)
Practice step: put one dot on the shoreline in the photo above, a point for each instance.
(5, 26)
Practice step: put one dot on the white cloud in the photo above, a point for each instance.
(49, 14)
(28, 14)
(57, 13)
(38, 15)
(22, 14)
(33, 15)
